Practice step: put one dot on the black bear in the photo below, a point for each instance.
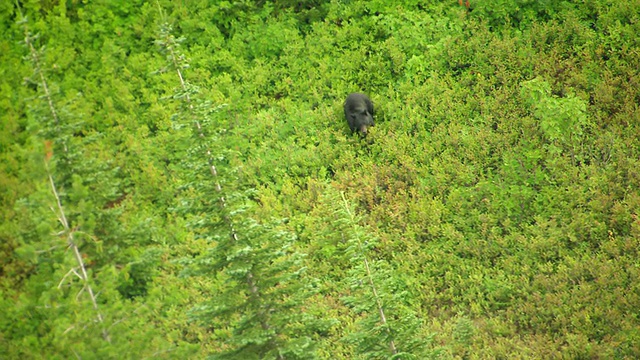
(358, 110)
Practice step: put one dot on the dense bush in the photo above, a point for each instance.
(208, 199)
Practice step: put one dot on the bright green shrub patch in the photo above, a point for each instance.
(492, 212)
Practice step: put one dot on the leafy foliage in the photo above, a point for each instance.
(495, 201)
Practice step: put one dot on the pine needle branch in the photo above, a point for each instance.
(372, 285)
(38, 71)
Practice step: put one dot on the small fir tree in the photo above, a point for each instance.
(388, 327)
(71, 294)
(257, 311)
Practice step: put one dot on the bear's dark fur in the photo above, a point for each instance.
(358, 110)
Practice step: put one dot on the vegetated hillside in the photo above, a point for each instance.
(178, 180)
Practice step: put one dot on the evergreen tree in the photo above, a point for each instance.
(70, 305)
(388, 325)
(256, 309)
